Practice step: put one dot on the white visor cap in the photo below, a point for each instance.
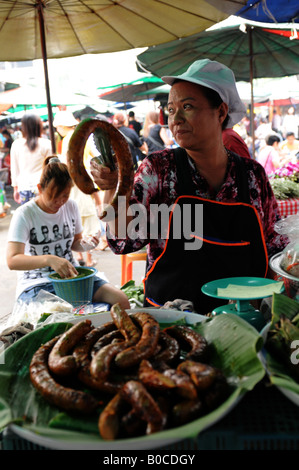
(218, 77)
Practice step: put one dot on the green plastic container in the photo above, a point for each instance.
(77, 290)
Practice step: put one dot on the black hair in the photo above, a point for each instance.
(55, 175)
(32, 128)
(271, 139)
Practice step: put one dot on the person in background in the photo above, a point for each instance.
(65, 123)
(290, 147)
(8, 140)
(290, 123)
(276, 122)
(52, 208)
(234, 142)
(26, 158)
(120, 121)
(234, 235)
(154, 134)
(269, 156)
(133, 124)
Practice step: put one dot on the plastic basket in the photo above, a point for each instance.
(77, 290)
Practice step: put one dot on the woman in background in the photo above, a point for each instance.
(27, 154)
(154, 134)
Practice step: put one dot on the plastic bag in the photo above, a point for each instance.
(32, 311)
(290, 256)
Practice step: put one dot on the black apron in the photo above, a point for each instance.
(230, 243)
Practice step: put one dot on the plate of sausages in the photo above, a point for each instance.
(143, 378)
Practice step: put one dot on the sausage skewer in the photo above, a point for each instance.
(123, 156)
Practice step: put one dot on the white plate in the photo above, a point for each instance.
(294, 397)
(153, 441)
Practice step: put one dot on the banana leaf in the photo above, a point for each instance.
(234, 350)
(277, 370)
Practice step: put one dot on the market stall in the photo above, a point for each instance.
(285, 186)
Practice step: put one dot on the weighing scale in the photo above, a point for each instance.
(243, 289)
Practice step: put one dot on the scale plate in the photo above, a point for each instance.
(211, 288)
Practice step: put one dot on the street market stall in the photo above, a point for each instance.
(155, 378)
(286, 189)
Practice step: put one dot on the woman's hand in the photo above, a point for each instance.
(16, 259)
(103, 177)
(62, 267)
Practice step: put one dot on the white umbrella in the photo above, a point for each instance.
(34, 29)
(31, 95)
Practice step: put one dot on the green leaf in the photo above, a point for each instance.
(283, 305)
(282, 332)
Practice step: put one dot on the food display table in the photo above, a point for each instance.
(263, 420)
(288, 206)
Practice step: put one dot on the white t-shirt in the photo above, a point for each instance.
(26, 166)
(44, 233)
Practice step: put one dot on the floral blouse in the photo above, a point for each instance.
(156, 183)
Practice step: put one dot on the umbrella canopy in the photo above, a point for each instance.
(155, 93)
(127, 92)
(250, 49)
(34, 29)
(237, 46)
(268, 11)
(75, 27)
(31, 95)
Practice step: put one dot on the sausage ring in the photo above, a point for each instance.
(123, 156)
(56, 394)
(61, 361)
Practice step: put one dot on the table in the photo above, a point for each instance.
(264, 419)
(288, 206)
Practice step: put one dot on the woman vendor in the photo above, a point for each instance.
(34, 249)
(222, 210)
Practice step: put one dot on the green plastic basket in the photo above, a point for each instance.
(77, 290)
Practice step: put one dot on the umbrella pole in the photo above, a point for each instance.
(251, 91)
(44, 54)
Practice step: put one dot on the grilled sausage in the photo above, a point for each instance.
(102, 360)
(122, 152)
(82, 355)
(125, 324)
(60, 361)
(56, 394)
(202, 375)
(109, 419)
(184, 385)
(106, 339)
(143, 405)
(152, 378)
(147, 344)
(170, 349)
(191, 339)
